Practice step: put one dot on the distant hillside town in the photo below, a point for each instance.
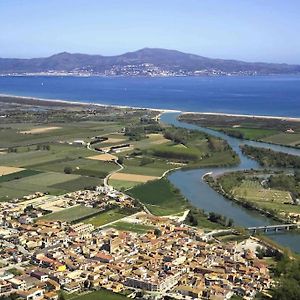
(144, 62)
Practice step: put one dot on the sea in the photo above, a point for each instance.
(259, 95)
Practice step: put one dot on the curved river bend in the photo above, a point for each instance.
(201, 195)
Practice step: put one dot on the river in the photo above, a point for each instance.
(201, 195)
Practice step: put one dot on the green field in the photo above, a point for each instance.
(80, 166)
(18, 175)
(249, 133)
(122, 184)
(217, 159)
(69, 131)
(35, 157)
(71, 214)
(106, 217)
(160, 197)
(137, 228)
(291, 139)
(253, 191)
(41, 182)
(99, 295)
(155, 168)
(269, 199)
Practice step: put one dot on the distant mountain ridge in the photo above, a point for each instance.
(147, 61)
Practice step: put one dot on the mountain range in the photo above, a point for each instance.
(147, 61)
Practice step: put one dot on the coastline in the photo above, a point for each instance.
(244, 116)
(160, 110)
(81, 103)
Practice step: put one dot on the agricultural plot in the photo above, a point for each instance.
(122, 184)
(132, 177)
(18, 175)
(291, 139)
(71, 214)
(146, 166)
(160, 197)
(40, 130)
(80, 166)
(103, 157)
(34, 157)
(10, 134)
(157, 139)
(51, 182)
(262, 195)
(269, 199)
(6, 170)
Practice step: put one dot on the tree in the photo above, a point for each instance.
(68, 170)
(120, 160)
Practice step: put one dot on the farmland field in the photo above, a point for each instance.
(284, 138)
(122, 184)
(49, 182)
(80, 166)
(160, 197)
(132, 177)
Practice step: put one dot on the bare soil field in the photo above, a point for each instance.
(103, 157)
(40, 130)
(132, 177)
(113, 141)
(4, 170)
(157, 139)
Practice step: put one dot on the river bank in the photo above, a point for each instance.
(201, 195)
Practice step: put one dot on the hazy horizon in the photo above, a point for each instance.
(256, 31)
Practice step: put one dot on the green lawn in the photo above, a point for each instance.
(125, 226)
(71, 214)
(160, 197)
(106, 217)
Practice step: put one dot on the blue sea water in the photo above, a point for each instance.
(262, 95)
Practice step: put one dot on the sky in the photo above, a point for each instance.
(250, 30)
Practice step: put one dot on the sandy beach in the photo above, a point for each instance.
(160, 110)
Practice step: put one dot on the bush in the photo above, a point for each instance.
(68, 170)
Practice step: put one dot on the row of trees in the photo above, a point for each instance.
(270, 158)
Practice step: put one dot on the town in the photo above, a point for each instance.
(41, 257)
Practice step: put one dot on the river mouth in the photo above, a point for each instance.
(192, 186)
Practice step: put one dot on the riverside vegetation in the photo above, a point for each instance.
(282, 131)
